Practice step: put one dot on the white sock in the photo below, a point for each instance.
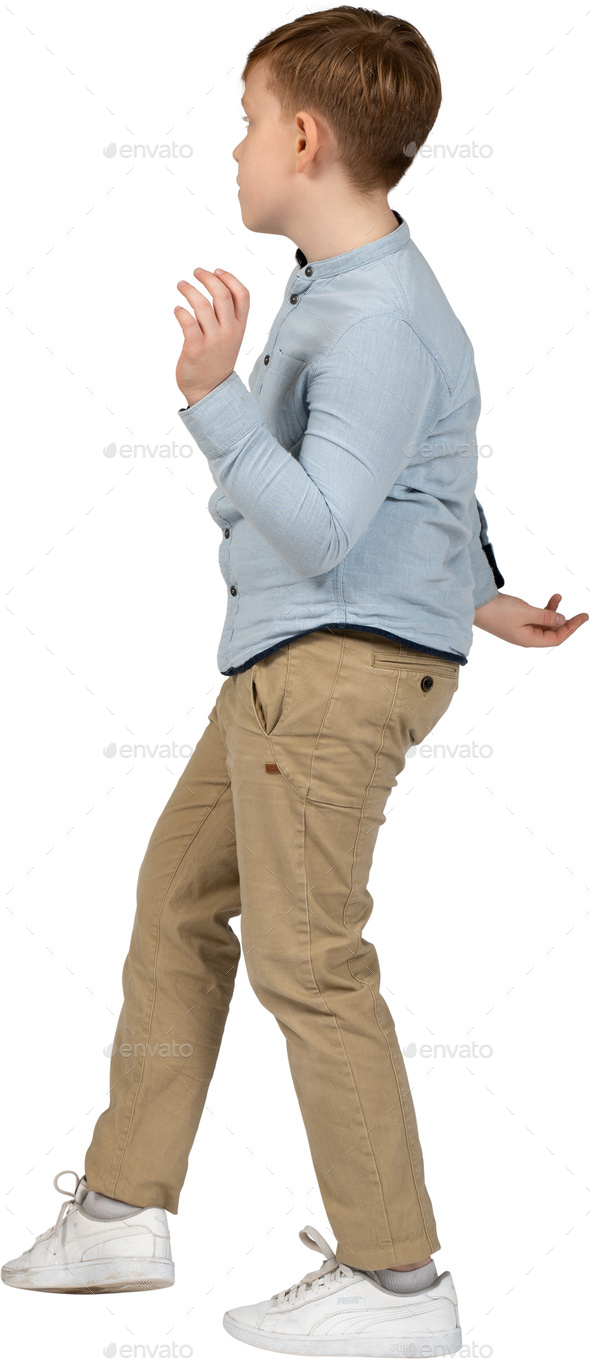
(99, 1206)
(408, 1280)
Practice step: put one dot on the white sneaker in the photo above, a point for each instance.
(84, 1255)
(340, 1310)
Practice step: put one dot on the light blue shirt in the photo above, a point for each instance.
(345, 476)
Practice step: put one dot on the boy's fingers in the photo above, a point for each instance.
(223, 301)
(553, 602)
(546, 618)
(192, 294)
(207, 318)
(201, 306)
(554, 636)
(571, 624)
(239, 292)
(187, 321)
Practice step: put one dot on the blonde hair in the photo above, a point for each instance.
(372, 77)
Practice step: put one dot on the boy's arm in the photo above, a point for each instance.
(313, 509)
(341, 493)
(306, 518)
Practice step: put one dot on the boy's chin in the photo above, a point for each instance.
(250, 219)
(254, 222)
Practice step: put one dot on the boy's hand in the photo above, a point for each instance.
(212, 337)
(516, 621)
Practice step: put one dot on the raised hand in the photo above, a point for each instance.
(213, 335)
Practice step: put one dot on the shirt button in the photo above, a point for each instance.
(309, 271)
(427, 682)
(233, 590)
(294, 297)
(226, 533)
(267, 358)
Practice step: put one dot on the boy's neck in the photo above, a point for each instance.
(324, 239)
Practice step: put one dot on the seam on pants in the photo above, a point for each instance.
(395, 1075)
(368, 984)
(154, 975)
(335, 1018)
(322, 723)
(320, 993)
(393, 1067)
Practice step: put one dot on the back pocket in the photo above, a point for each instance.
(417, 660)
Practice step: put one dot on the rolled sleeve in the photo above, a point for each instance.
(486, 574)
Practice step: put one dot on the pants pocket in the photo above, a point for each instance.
(404, 659)
(423, 696)
(269, 689)
(328, 740)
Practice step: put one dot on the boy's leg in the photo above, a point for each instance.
(316, 734)
(178, 980)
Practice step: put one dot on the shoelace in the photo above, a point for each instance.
(71, 1202)
(329, 1271)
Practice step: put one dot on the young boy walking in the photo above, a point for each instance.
(356, 559)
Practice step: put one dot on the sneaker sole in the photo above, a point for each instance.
(101, 1276)
(380, 1347)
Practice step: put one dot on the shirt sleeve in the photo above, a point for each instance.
(365, 421)
(488, 579)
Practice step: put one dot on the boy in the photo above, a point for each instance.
(356, 558)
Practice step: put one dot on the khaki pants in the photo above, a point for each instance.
(275, 818)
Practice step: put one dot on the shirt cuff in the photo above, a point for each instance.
(223, 417)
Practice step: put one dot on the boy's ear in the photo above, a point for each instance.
(311, 133)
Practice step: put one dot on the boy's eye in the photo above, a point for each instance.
(245, 119)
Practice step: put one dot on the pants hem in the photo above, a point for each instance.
(126, 1193)
(404, 1253)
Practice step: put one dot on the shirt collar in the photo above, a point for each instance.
(362, 254)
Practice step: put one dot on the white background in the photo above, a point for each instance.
(115, 608)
